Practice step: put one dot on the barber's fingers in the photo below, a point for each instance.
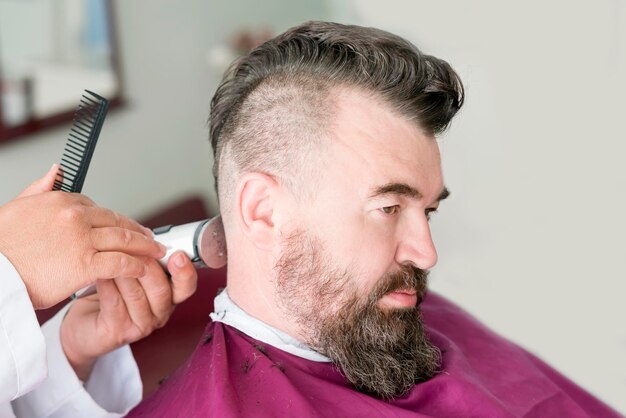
(101, 217)
(184, 277)
(127, 241)
(137, 304)
(43, 184)
(111, 264)
(111, 303)
(158, 291)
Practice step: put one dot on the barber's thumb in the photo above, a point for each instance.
(44, 184)
(179, 261)
(184, 277)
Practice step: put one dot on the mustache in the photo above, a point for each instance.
(408, 278)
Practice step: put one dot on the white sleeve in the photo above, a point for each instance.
(22, 346)
(113, 389)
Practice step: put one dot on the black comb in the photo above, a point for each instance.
(81, 142)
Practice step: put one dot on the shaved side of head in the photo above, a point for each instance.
(279, 129)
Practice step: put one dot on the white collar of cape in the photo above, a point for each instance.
(227, 312)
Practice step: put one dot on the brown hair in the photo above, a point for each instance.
(273, 104)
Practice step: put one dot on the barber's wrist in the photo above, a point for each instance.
(81, 363)
(21, 266)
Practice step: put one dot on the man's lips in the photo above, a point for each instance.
(401, 298)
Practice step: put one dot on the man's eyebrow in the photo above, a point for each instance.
(403, 189)
(445, 193)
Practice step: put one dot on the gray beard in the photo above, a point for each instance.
(381, 352)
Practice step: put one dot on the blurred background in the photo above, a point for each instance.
(532, 239)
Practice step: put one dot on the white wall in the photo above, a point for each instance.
(156, 149)
(532, 238)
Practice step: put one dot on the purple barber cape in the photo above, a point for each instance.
(233, 375)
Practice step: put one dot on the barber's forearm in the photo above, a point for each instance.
(22, 346)
(111, 390)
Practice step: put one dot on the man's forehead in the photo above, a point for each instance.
(364, 119)
(373, 144)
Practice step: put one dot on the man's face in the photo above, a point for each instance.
(353, 270)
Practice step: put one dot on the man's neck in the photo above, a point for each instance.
(227, 312)
(256, 298)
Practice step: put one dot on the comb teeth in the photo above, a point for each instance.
(81, 142)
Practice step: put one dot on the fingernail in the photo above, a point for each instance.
(147, 231)
(179, 260)
(162, 247)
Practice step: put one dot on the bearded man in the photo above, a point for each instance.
(328, 169)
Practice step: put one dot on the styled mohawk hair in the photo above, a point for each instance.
(273, 106)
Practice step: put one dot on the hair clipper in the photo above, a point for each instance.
(202, 241)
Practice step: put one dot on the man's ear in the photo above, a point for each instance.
(256, 199)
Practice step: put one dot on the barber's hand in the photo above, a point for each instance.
(123, 311)
(60, 242)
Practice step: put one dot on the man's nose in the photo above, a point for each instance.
(416, 244)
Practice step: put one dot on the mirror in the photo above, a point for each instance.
(50, 51)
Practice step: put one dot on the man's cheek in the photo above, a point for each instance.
(372, 261)
(364, 283)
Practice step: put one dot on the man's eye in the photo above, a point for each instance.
(429, 213)
(390, 210)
